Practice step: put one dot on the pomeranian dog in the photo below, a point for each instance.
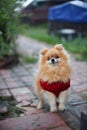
(53, 77)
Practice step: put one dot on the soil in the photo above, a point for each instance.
(8, 61)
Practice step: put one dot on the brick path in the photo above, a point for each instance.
(17, 82)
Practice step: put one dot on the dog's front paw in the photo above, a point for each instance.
(62, 107)
(40, 105)
(53, 109)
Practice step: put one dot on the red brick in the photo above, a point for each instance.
(3, 85)
(14, 84)
(73, 83)
(61, 128)
(80, 88)
(34, 103)
(5, 73)
(20, 91)
(5, 93)
(25, 103)
(74, 98)
(41, 121)
(31, 112)
(79, 108)
(26, 78)
(0, 78)
(17, 98)
(29, 66)
(12, 79)
(21, 97)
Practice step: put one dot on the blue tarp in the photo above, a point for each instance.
(74, 11)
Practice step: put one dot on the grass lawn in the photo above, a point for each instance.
(77, 46)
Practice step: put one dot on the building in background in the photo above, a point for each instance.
(37, 11)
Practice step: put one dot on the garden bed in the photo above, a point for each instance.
(8, 61)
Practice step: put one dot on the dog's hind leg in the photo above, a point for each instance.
(40, 105)
(38, 91)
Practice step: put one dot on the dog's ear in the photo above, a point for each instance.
(43, 51)
(59, 47)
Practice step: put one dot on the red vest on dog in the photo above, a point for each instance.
(55, 87)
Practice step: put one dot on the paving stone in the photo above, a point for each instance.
(74, 98)
(28, 84)
(1, 78)
(19, 77)
(12, 79)
(25, 103)
(26, 79)
(5, 93)
(61, 128)
(34, 103)
(77, 81)
(3, 85)
(18, 68)
(14, 84)
(34, 122)
(80, 88)
(84, 94)
(70, 118)
(18, 98)
(3, 109)
(22, 95)
(35, 111)
(79, 108)
(25, 108)
(29, 66)
(20, 71)
(74, 83)
(5, 73)
(20, 90)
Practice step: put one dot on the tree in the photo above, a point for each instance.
(8, 26)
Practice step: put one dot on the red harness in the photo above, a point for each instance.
(55, 87)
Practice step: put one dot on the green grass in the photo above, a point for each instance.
(28, 59)
(39, 33)
(76, 46)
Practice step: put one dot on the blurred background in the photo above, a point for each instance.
(27, 26)
(50, 21)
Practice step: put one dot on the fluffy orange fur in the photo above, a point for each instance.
(53, 73)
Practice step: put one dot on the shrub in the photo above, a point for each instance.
(8, 26)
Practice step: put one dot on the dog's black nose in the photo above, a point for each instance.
(52, 60)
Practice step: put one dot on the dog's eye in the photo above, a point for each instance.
(56, 56)
(48, 58)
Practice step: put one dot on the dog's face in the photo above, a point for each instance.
(54, 57)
